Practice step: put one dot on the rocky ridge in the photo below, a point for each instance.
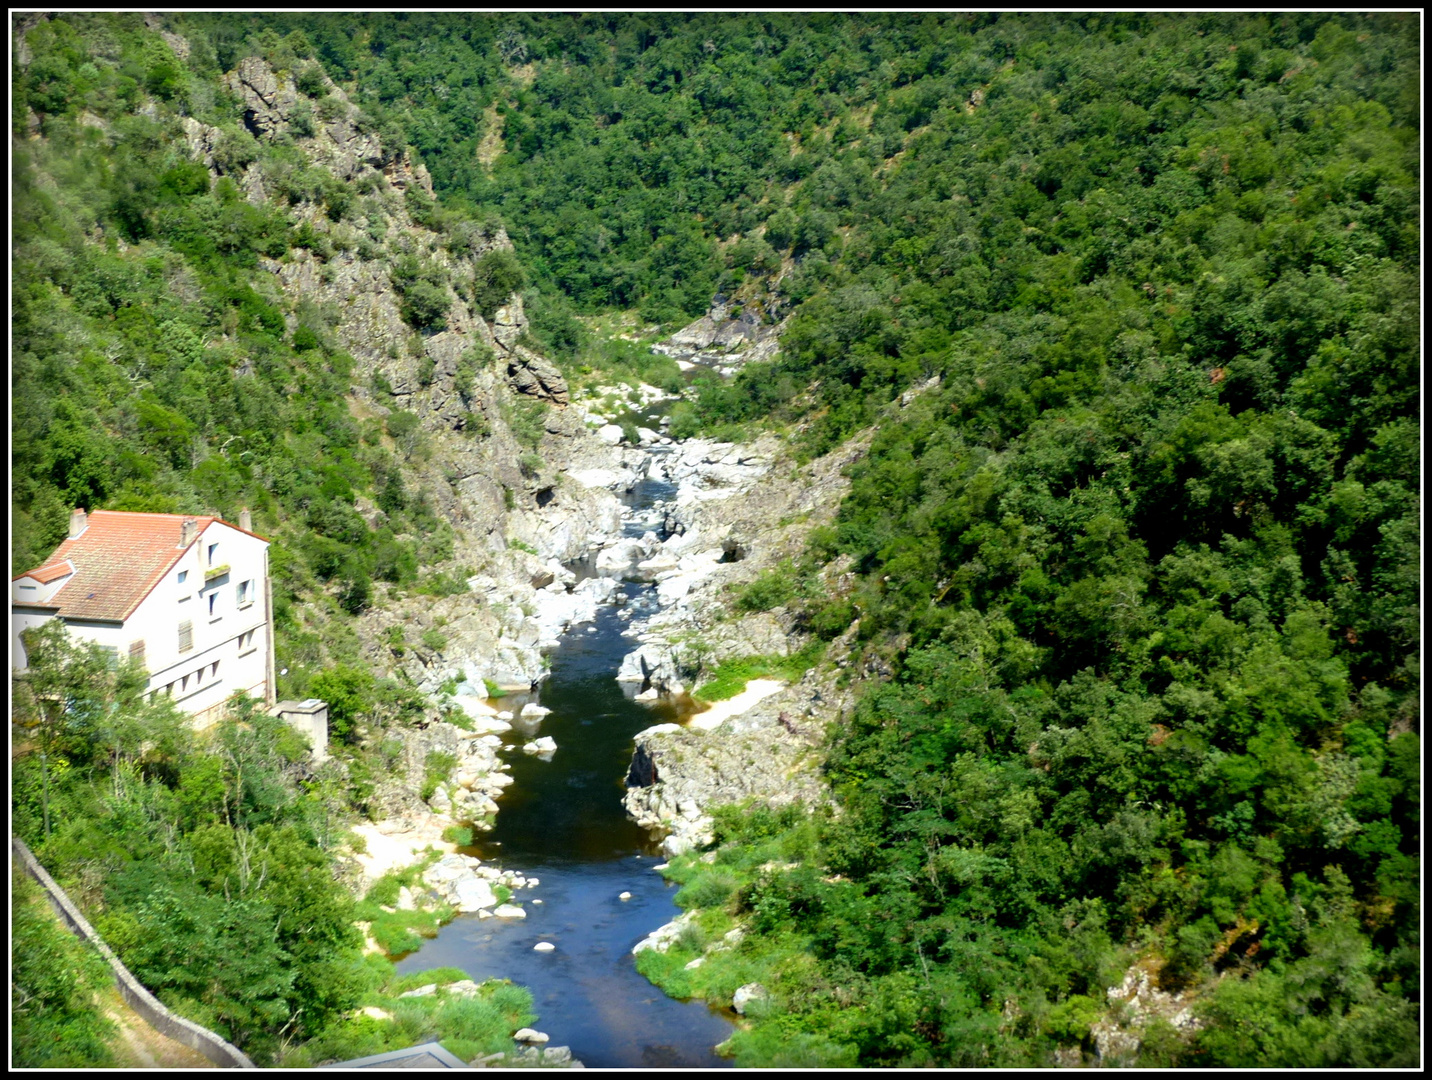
(462, 379)
(736, 512)
(724, 339)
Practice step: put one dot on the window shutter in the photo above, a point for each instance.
(186, 635)
(136, 651)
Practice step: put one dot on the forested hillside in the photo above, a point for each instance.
(1131, 304)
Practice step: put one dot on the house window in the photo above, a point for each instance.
(111, 654)
(214, 670)
(186, 635)
(214, 604)
(246, 592)
(184, 684)
(213, 554)
(246, 642)
(183, 574)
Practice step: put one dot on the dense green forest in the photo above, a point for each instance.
(1132, 305)
(206, 862)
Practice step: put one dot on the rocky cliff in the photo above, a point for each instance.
(506, 494)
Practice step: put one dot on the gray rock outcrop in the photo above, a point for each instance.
(535, 375)
(724, 342)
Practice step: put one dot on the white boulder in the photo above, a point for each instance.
(472, 894)
(743, 997)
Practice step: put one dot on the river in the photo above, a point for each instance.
(562, 822)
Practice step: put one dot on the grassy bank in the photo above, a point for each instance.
(731, 676)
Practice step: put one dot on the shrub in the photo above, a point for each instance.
(453, 583)
(685, 422)
(772, 589)
(437, 767)
(460, 835)
(526, 417)
(496, 276)
(347, 690)
(310, 80)
(710, 890)
(425, 305)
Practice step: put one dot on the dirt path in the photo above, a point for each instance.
(139, 1046)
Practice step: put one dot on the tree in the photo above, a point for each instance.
(496, 276)
(60, 696)
(347, 690)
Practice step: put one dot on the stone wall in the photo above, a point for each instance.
(135, 995)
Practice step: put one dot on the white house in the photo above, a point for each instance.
(188, 597)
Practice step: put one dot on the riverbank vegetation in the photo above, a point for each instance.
(209, 863)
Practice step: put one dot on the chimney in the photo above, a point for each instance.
(187, 532)
(246, 520)
(78, 522)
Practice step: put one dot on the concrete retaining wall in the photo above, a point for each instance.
(223, 1054)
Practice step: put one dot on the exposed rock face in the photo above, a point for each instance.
(370, 324)
(723, 342)
(534, 375)
(459, 378)
(478, 777)
(687, 770)
(201, 140)
(1117, 1040)
(269, 101)
(738, 512)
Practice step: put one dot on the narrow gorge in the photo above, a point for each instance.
(822, 540)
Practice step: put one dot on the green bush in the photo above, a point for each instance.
(310, 80)
(526, 417)
(55, 981)
(773, 588)
(711, 889)
(448, 583)
(425, 305)
(460, 835)
(437, 768)
(496, 276)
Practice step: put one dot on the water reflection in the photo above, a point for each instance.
(562, 822)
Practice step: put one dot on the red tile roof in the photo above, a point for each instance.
(47, 574)
(118, 559)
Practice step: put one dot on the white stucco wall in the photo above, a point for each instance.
(234, 637)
